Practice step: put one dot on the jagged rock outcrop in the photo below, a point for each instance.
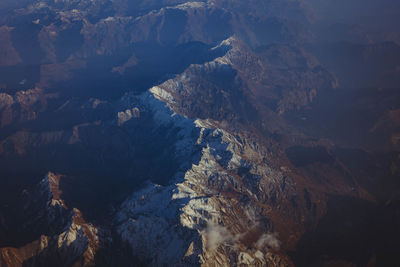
(66, 240)
(128, 114)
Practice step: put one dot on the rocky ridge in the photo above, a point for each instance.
(190, 216)
(70, 240)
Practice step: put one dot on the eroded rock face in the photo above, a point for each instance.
(127, 115)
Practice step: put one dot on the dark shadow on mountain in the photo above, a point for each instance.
(354, 230)
(68, 41)
(301, 156)
(51, 256)
(156, 64)
(26, 32)
(347, 116)
(19, 77)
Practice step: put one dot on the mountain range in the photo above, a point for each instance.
(199, 133)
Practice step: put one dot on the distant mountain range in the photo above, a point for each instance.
(199, 133)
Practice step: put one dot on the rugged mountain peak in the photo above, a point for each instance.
(194, 213)
(71, 241)
(51, 185)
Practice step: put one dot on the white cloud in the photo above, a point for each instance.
(268, 240)
(217, 235)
